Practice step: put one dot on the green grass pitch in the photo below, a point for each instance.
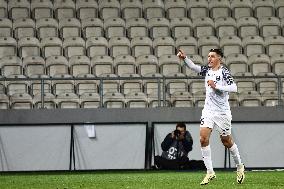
(138, 180)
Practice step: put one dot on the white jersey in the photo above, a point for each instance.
(216, 99)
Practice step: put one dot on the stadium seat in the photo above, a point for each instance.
(114, 100)
(151, 85)
(87, 9)
(259, 63)
(147, 64)
(17, 86)
(102, 65)
(96, 46)
(245, 82)
(253, 45)
(6, 27)
(90, 100)
(181, 27)
(34, 65)
(141, 46)
(269, 26)
(175, 9)
(136, 100)
(199, 98)
(182, 99)
(247, 26)
(119, 46)
(268, 83)
(11, 65)
(131, 9)
(36, 85)
(203, 27)
(237, 63)
(24, 27)
(28, 46)
(132, 85)
(159, 27)
(69, 27)
(64, 9)
(136, 27)
(67, 100)
(74, 46)
(56, 65)
(197, 8)
(63, 86)
(2, 88)
(110, 84)
(47, 27)
(49, 101)
(21, 101)
(225, 26)
(279, 8)
(250, 98)
(277, 63)
(86, 86)
(263, 8)
(41, 9)
(109, 9)
(169, 64)
(163, 46)
(18, 9)
(153, 101)
(241, 8)
(51, 46)
(231, 45)
(274, 45)
(196, 85)
(8, 46)
(114, 27)
(270, 98)
(176, 84)
(124, 64)
(219, 8)
(205, 43)
(4, 101)
(79, 65)
(3, 9)
(188, 44)
(153, 9)
(92, 27)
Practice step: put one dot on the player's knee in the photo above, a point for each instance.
(204, 141)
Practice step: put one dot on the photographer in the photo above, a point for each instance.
(176, 147)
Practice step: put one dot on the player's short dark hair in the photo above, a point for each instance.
(217, 51)
(181, 125)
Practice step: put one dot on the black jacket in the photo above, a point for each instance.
(173, 149)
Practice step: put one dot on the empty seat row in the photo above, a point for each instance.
(134, 27)
(132, 100)
(94, 46)
(137, 8)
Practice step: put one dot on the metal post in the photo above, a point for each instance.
(101, 93)
(42, 92)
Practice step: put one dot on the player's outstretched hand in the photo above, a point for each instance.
(181, 54)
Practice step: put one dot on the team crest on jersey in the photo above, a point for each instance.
(218, 78)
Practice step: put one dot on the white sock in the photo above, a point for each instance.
(235, 154)
(206, 154)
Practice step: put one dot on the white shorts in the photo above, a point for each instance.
(221, 121)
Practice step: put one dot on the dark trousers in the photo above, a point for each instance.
(182, 163)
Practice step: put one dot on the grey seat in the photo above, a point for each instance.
(21, 101)
(259, 63)
(96, 46)
(69, 27)
(132, 85)
(182, 99)
(241, 8)
(188, 44)
(274, 45)
(56, 65)
(269, 26)
(250, 98)
(28, 46)
(109, 9)
(19, 9)
(41, 9)
(175, 9)
(219, 8)
(47, 27)
(159, 27)
(263, 8)
(136, 100)
(119, 46)
(169, 64)
(225, 26)
(147, 64)
(247, 26)
(124, 64)
(114, 27)
(253, 45)
(34, 65)
(92, 27)
(49, 101)
(131, 9)
(136, 27)
(64, 9)
(163, 46)
(74, 46)
(79, 65)
(197, 8)
(88, 84)
(11, 65)
(87, 9)
(237, 63)
(245, 82)
(51, 46)
(205, 43)
(6, 27)
(67, 100)
(62, 86)
(102, 65)
(114, 100)
(8, 46)
(181, 27)
(277, 63)
(90, 100)
(203, 27)
(141, 46)
(231, 45)
(153, 9)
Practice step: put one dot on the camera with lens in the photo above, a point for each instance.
(177, 133)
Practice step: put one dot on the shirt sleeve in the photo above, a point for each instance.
(231, 85)
(191, 65)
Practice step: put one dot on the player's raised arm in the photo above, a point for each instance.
(188, 62)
